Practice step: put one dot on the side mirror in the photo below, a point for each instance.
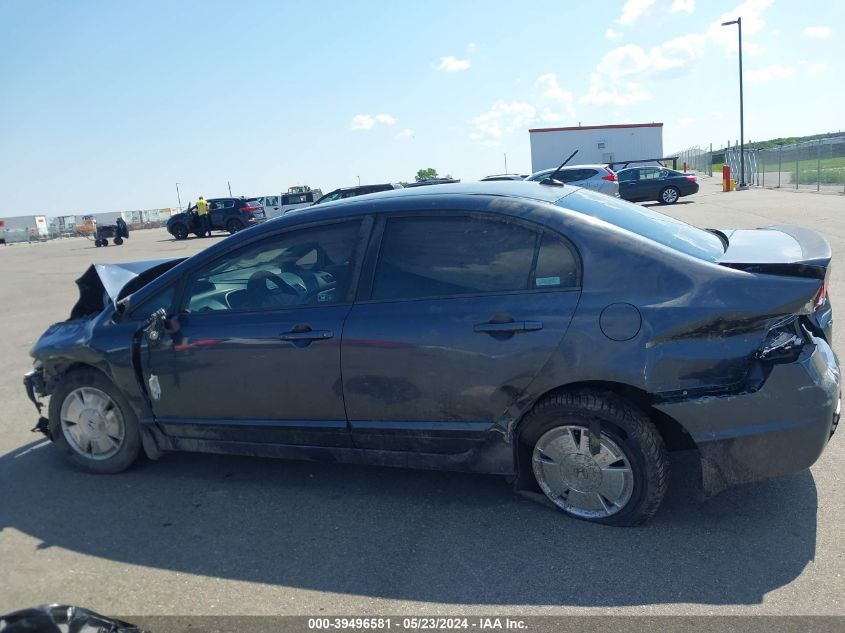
(154, 326)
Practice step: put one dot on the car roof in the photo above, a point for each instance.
(373, 202)
(565, 167)
(646, 167)
(356, 187)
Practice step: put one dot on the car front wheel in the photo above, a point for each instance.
(179, 231)
(92, 423)
(233, 226)
(670, 195)
(621, 481)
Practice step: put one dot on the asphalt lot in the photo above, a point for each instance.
(202, 534)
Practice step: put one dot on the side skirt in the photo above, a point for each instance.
(494, 458)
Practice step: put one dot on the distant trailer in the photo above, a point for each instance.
(24, 228)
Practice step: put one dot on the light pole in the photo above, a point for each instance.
(178, 197)
(359, 181)
(742, 184)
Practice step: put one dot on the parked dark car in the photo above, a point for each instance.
(666, 186)
(433, 181)
(555, 335)
(351, 192)
(227, 214)
(496, 177)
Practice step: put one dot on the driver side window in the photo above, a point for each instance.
(300, 267)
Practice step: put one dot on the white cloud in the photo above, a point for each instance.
(549, 103)
(633, 9)
(471, 47)
(775, 71)
(503, 118)
(385, 119)
(367, 122)
(613, 80)
(751, 12)
(685, 122)
(405, 134)
(612, 35)
(683, 5)
(819, 32)
(604, 91)
(550, 89)
(451, 64)
(362, 122)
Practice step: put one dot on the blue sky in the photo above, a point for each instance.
(105, 105)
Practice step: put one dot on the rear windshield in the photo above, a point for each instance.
(643, 221)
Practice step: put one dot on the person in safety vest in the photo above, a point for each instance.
(204, 217)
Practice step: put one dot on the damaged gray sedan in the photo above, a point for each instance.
(567, 340)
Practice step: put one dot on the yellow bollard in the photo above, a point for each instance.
(733, 185)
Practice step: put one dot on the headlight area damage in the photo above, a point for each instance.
(101, 288)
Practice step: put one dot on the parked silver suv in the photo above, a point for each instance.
(596, 177)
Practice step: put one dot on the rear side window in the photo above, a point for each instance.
(557, 266)
(643, 221)
(429, 257)
(449, 256)
(575, 175)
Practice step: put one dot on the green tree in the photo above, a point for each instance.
(426, 174)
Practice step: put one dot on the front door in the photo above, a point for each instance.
(463, 312)
(254, 353)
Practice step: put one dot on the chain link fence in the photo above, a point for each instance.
(696, 159)
(817, 165)
(812, 166)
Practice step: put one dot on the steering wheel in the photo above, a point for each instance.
(260, 293)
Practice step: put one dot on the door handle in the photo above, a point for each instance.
(306, 335)
(509, 326)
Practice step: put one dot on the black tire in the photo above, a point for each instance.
(118, 241)
(131, 447)
(104, 242)
(627, 426)
(669, 195)
(179, 231)
(198, 234)
(97, 243)
(234, 225)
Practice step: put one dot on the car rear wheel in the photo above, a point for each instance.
(622, 482)
(233, 225)
(118, 241)
(669, 195)
(179, 231)
(92, 423)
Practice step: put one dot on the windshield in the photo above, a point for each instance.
(643, 221)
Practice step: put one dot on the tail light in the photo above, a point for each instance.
(821, 298)
(692, 178)
(610, 175)
(251, 208)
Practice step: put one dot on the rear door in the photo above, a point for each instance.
(220, 211)
(457, 313)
